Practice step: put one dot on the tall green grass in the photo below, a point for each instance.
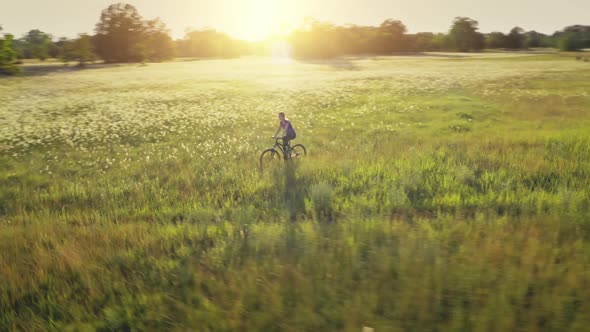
(412, 274)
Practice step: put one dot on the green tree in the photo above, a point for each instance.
(82, 50)
(569, 42)
(573, 38)
(37, 45)
(356, 39)
(119, 34)
(157, 43)
(62, 45)
(53, 50)
(464, 35)
(315, 39)
(392, 33)
(123, 36)
(421, 42)
(8, 56)
(516, 38)
(535, 39)
(441, 41)
(495, 40)
(208, 43)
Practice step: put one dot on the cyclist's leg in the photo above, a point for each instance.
(287, 145)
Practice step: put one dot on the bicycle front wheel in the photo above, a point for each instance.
(298, 151)
(268, 158)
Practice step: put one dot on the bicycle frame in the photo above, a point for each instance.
(280, 146)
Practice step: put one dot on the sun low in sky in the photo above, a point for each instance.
(263, 18)
(256, 19)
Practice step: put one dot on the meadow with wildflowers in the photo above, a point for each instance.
(439, 193)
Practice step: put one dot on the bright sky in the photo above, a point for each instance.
(255, 19)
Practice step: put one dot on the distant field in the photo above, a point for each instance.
(440, 192)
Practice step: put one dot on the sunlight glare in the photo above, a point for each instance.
(262, 17)
(281, 52)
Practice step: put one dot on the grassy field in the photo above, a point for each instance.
(439, 193)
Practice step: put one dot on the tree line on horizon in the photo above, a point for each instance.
(122, 35)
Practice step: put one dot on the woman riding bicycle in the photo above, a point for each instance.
(271, 155)
(288, 132)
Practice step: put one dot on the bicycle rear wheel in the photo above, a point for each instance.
(268, 158)
(298, 151)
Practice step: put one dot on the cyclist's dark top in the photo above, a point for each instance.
(288, 127)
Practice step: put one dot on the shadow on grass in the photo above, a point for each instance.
(293, 190)
(56, 68)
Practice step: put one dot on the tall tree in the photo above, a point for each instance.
(574, 37)
(123, 36)
(569, 41)
(119, 33)
(464, 35)
(63, 45)
(515, 38)
(157, 43)
(81, 50)
(7, 56)
(37, 44)
(392, 36)
(535, 39)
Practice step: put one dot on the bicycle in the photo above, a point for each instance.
(272, 156)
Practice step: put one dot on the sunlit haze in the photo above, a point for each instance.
(257, 19)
